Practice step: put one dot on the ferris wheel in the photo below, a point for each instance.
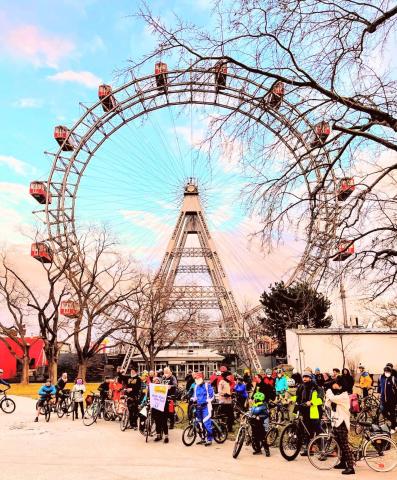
(219, 87)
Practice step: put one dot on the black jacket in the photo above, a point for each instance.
(135, 384)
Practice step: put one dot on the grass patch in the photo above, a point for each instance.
(31, 390)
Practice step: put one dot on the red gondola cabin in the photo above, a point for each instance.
(160, 71)
(220, 75)
(345, 250)
(276, 95)
(321, 133)
(62, 136)
(38, 190)
(69, 309)
(106, 97)
(41, 252)
(346, 188)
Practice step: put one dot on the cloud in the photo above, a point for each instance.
(39, 48)
(18, 166)
(28, 103)
(85, 78)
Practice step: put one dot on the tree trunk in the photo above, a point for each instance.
(25, 370)
(82, 369)
(52, 369)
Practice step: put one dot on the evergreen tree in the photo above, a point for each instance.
(287, 307)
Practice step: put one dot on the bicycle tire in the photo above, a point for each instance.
(239, 442)
(291, 437)
(219, 431)
(89, 415)
(362, 417)
(7, 405)
(179, 414)
(324, 452)
(47, 413)
(377, 451)
(125, 420)
(189, 435)
(272, 436)
(148, 427)
(60, 409)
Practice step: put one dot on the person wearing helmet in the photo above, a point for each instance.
(319, 377)
(291, 382)
(2, 381)
(365, 380)
(308, 401)
(241, 392)
(281, 384)
(259, 421)
(203, 395)
(387, 387)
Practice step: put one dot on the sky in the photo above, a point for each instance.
(54, 55)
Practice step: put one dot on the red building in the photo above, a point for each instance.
(8, 360)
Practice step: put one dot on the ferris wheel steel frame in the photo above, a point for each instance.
(195, 86)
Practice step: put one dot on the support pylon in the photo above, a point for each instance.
(191, 221)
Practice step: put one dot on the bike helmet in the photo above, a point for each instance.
(259, 397)
(291, 382)
(268, 371)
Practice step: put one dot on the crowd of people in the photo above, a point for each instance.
(313, 390)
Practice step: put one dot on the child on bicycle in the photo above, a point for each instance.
(260, 424)
(46, 391)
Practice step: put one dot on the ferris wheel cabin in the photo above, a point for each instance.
(345, 250)
(41, 252)
(38, 190)
(276, 95)
(321, 133)
(220, 75)
(106, 97)
(69, 308)
(63, 137)
(160, 71)
(345, 188)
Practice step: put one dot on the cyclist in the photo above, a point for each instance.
(133, 393)
(308, 401)
(260, 424)
(170, 380)
(241, 392)
(61, 384)
(281, 384)
(2, 381)
(225, 400)
(247, 378)
(365, 380)
(160, 419)
(46, 390)
(319, 377)
(387, 387)
(203, 395)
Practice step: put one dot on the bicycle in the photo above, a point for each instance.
(377, 449)
(93, 411)
(279, 411)
(46, 407)
(147, 426)
(196, 427)
(65, 405)
(6, 404)
(179, 413)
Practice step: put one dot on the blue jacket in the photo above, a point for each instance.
(262, 412)
(387, 387)
(203, 393)
(4, 382)
(44, 391)
(281, 384)
(241, 390)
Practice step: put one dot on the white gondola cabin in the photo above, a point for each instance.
(345, 250)
(345, 188)
(64, 139)
(220, 75)
(69, 308)
(41, 252)
(321, 133)
(106, 97)
(161, 73)
(38, 190)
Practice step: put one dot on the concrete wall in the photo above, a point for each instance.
(373, 350)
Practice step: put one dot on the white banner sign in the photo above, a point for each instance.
(158, 396)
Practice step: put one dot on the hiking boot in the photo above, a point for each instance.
(200, 442)
(208, 443)
(256, 452)
(158, 438)
(166, 440)
(348, 471)
(267, 452)
(340, 466)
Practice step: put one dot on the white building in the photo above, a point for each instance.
(325, 348)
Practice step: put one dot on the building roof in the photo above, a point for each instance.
(345, 331)
(184, 354)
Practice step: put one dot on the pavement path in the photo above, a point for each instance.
(63, 449)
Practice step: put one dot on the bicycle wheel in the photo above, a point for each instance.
(290, 442)
(219, 431)
(380, 453)
(125, 420)
(61, 408)
(239, 442)
(7, 405)
(90, 415)
(362, 417)
(148, 427)
(324, 452)
(189, 435)
(179, 414)
(271, 436)
(47, 413)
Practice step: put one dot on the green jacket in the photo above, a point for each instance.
(316, 402)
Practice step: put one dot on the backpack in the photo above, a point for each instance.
(354, 403)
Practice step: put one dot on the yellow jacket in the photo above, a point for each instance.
(365, 380)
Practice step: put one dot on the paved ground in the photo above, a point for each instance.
(62, 449)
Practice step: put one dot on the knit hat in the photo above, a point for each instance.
(306, 373)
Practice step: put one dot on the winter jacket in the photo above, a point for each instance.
(241, 390)
(365, 380)
(203, 393)
(172, 382)
(224, 392)
(78, 392)
(266, 386)
(260, 410)
(340, 408)
(309, 392)
(281, 385)
(347, 382)
(387, 387)
(4, 382)
(45, 391)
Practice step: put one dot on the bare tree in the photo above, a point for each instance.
(100, 282)
(384, 314)
(327, 54)
(158, 322)
(344, 347)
